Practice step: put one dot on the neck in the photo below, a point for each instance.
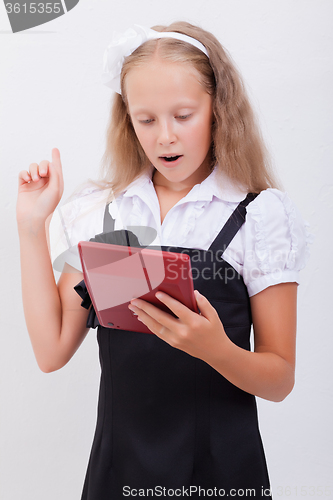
(183, 186)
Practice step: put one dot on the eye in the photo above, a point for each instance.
(183, 117)
(149, 120)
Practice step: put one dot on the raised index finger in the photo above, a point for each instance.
(56, 157)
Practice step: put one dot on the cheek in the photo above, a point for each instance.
(142, 136)
(202, 136)
(146, 141)
(207, 132)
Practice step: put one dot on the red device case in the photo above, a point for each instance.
(116, 274)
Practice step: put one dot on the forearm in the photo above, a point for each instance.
(264, 374)
(41, 301)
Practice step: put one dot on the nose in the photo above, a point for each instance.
(166, 133)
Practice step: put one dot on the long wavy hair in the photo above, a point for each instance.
(237, 145)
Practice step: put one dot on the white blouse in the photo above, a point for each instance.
(270, 248)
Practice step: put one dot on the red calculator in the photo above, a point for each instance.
(116, 274)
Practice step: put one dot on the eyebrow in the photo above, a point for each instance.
(181, 105)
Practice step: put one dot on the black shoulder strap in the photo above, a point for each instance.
(233, 224)
(108, 223)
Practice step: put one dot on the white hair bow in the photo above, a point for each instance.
(122, 45)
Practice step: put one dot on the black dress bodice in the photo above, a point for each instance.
(167, 419)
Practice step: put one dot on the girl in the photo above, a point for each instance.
(177, 412)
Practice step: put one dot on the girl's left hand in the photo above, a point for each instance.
(197, 334)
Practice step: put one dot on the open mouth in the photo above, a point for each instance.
(170, 158)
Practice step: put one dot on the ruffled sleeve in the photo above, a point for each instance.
(275, 242)
(77, 219)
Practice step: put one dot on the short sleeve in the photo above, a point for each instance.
(274, 241)
(78, 219)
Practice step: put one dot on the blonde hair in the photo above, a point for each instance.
(237, 146)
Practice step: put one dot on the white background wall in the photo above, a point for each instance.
(51, 96)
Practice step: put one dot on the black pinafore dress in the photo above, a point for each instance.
(167, 422)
